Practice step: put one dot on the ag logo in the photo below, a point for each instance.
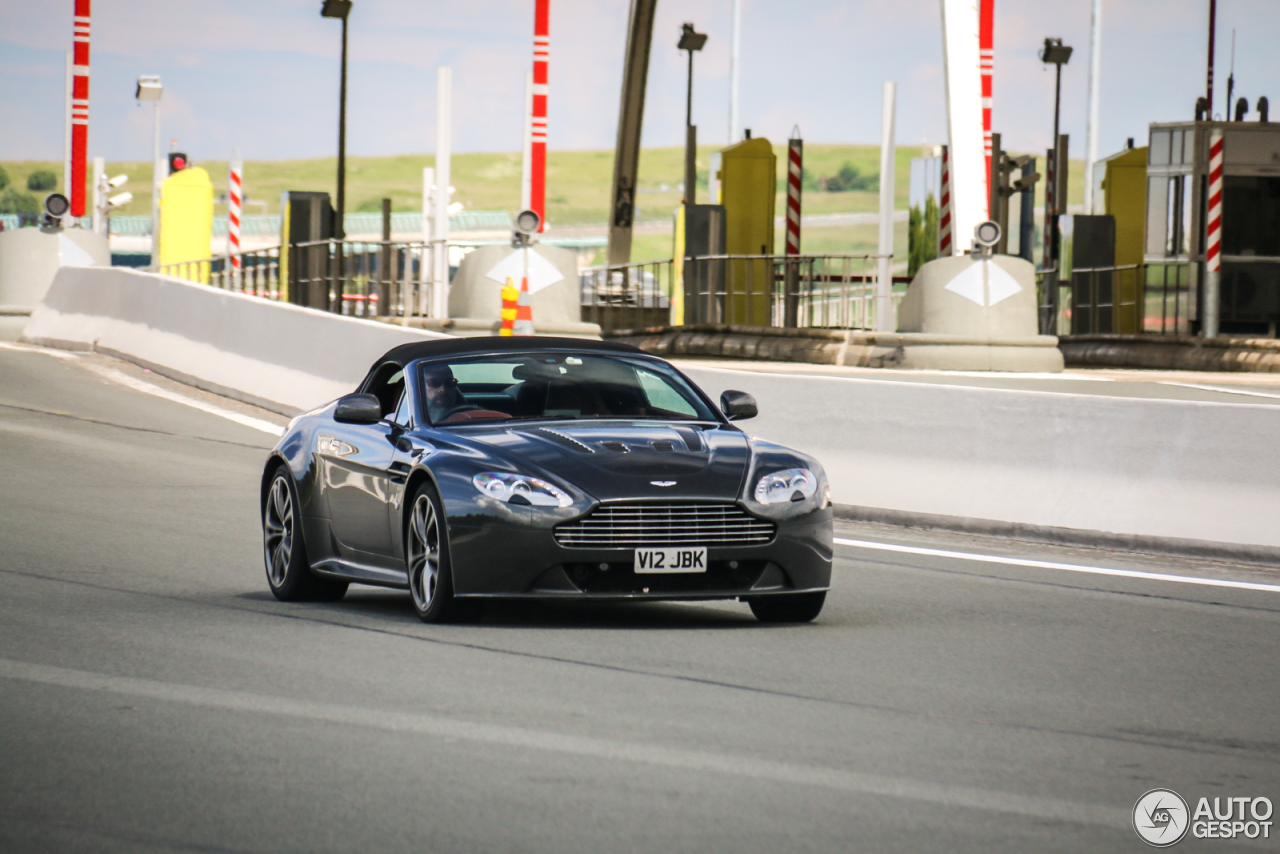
(1160, 817)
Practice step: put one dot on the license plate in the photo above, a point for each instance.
(654, 561)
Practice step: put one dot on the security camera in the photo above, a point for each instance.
(56, 205)
(985, 236)
(527, 223)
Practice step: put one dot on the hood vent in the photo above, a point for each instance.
(616, 447)
(663, 445)
(562, 439)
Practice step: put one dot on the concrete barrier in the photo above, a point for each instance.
(276, 355)
(1142, 470)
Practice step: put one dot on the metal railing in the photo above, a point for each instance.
(785, 291)
(1153, 298)
(353, 277)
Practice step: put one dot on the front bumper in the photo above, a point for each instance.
(493, 560)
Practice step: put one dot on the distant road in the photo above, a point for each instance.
(957, 694)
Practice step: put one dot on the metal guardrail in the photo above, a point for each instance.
(404, 222)
(785, 291)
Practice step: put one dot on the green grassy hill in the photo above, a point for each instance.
(578, 185)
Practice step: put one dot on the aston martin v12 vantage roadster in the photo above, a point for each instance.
(544, 468)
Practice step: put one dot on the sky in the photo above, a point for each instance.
(261, 76)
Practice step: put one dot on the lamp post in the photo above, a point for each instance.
(690, 41)
(340, 9)
(150, 89)
(1057, 54)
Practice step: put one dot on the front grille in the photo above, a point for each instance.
(614, 526)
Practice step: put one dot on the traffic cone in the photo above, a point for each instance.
(524, 311)
(510, 303)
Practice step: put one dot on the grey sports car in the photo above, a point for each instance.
(542, 468)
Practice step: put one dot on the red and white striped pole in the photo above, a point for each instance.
(1050, 182)
(538, 135)
(944, 207)
(795, 170)
(235, 198)
(986, 62)
(79, 107)
(1213, 239)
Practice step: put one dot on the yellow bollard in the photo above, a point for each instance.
(186, 223)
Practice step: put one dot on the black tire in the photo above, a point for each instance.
(289, 572)
(788, 608)
(427, 563)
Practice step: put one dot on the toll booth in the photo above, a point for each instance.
(748, 182)
(1177, 178)
(305, 274)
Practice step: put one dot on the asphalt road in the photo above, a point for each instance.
(155, 697)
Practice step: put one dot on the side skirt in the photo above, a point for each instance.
(362, 573)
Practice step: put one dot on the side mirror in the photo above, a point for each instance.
(738, 405)
(358, 409)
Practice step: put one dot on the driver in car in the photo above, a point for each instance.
(442, 391)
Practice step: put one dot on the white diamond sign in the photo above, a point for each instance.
(997, 287)
(541, 271)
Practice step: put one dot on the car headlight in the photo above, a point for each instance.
(521, 489)
(787, 485)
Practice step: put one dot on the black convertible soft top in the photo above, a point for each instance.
(406, 353)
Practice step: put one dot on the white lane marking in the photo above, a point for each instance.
(147, 388)
(1069, 567)
(1222, 390)
(48, 351)
(607, 749)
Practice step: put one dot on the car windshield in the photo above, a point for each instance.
(549, 385)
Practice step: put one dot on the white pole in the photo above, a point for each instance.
(66, 137)
(884, 286)
(966, 149)
(444, 119)
(99, 176)
(1095, 96)
(735, 53)
(424, 268)
(526, 175)
(157, 184)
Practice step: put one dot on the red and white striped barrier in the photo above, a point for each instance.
(1213, 238)
(235, 197)
(538, 132)
(79, 107)
(795, 170)
(1050, 181)
(986, 61)
(1213, 242)
(944, 207)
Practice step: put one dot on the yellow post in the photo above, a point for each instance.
(1126, 188)
(186, 223)
(748, 187)
(677, 271)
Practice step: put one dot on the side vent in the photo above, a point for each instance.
(663, 445)
(692, 440)
(616, 447)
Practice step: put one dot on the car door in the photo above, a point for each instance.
(355, 466)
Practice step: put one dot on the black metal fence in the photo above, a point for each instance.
(354, 277)
(1155, 298)
(790, 291)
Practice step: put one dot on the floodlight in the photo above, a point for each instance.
(1055, 52)
(149, 89)
(690, 40)
(336, 9)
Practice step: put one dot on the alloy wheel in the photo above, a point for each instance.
(277, 530)
(424, 552)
